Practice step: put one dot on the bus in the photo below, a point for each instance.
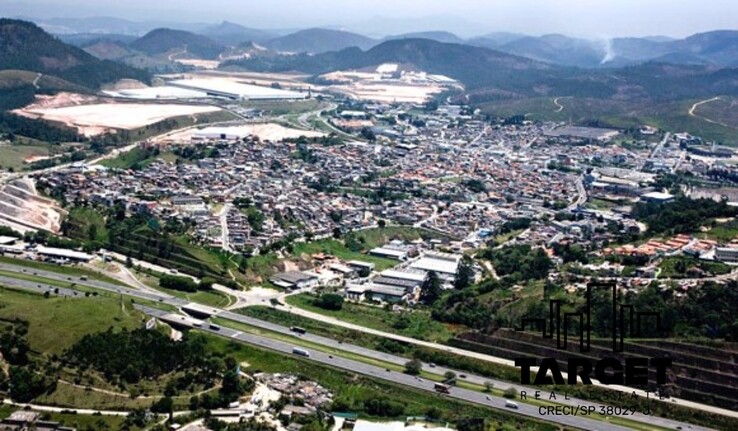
(441, 388)
(301, 352)
(297, 330)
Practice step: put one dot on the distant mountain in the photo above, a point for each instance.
(25, 46)
(476, 67)
(319, 40)
(109, 50)
(84, 39)
(557, 49)
(438, 36)
(495, 39)
(493, 75)
(98, 25)
(231, 34)
(185, 44)
(718, 48)
(109, 25)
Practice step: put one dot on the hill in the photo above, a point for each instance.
(489, 74)
(475, 67)
(108, 50)
(167, 41)
(438, 36)
(319, 40)
(25, 46)
(557, 49)
(83, 39)
(231, 34)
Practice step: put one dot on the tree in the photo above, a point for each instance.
(431, 289)
(337, 232)
(510, 393)
(164, 405)
(413, 367)
(329, 301)
(464, 273)
(206, 283)
(449, 376)
(488, 386)
(381, 223)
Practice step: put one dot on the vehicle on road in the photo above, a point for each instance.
(511, 404)
(214, 327)
(297, 330)
(301, 352)
(441, 388)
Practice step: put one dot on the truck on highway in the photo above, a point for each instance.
(297, 330)
(441, 388)
(511, 404)
(301, 352)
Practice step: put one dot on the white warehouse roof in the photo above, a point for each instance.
(234, 89)
(63, 252)
(436, 265)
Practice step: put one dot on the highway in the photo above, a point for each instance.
(398, 378)
(355, 366)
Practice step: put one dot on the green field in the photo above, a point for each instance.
(416, 324)
(13, 155)
(285, 107)
(129, 159)
(55, 323)
(722, 232)
(208, 297)
(670, 266)
(338, 249)
(74, 271)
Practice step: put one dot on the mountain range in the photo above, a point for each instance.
(25, 46)
(488, 74)
(716, 48)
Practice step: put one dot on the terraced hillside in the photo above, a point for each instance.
(699, 373)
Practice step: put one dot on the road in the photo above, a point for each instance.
(267, 342)
(655, 151)
(559, 106)
(399, 378)
(38, 78)
(582, 195)
(245, 299)
(223, 215)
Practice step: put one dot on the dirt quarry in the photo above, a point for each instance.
(22, 208)
(93, 116)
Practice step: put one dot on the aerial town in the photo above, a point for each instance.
(222, 228)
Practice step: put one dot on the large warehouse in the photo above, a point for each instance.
(236, 90)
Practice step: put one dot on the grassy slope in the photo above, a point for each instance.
(56, 323)
(419, 323)
(74, 271)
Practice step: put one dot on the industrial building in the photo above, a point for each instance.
(236, 90)
(64, 254)
(294, 280)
